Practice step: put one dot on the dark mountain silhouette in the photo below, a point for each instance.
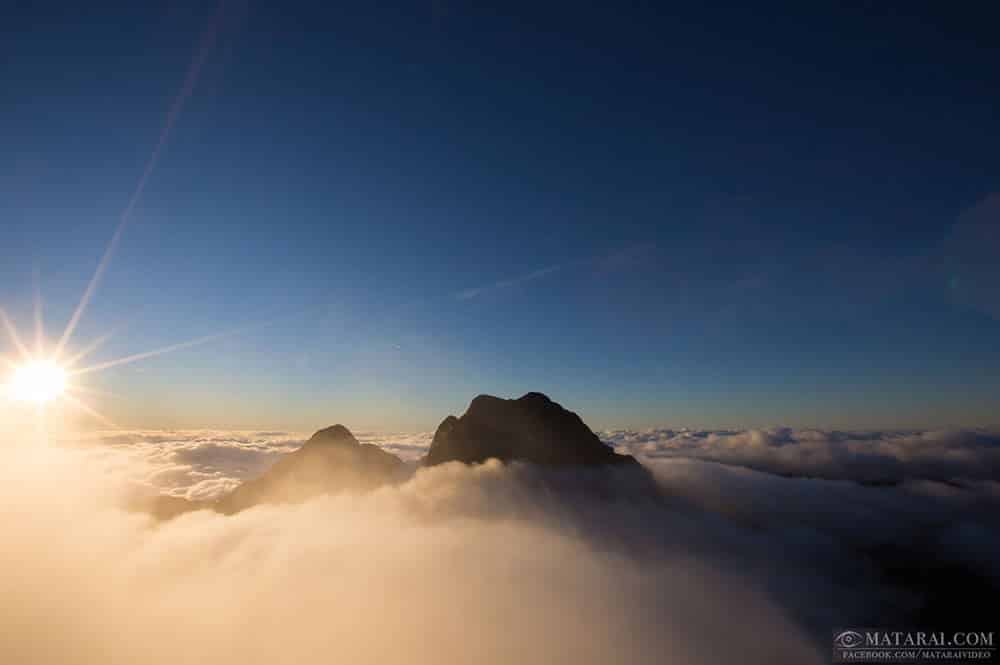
(331, 460)
(532, 428)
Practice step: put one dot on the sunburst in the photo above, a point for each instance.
(42, 375)
(40, 378)
(46, 375)
(37, 381)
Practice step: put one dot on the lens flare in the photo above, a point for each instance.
(37, 381)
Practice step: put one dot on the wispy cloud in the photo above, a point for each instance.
(469, 294)
(624, 258)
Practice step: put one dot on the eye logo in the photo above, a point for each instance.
(848, 639)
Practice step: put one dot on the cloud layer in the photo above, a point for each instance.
(860, 456)
(731, 562)
(458, 564)
(205, 464)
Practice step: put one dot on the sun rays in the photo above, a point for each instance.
(151, 354)
(42, 375)
(39, 376)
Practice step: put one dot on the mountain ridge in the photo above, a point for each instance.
(531, 429)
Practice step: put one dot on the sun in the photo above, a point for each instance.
(37, 381)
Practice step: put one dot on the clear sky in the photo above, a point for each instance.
(656, 215)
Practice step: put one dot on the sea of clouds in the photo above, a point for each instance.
(205, 464)
(869, 456)
(758, 545)
(202, 465)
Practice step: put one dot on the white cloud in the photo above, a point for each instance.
(489, 564)
(863, 456)
(457, 565)
(205, 464)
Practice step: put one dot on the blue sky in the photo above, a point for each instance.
(656, 215)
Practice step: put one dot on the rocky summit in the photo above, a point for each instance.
(531, 428)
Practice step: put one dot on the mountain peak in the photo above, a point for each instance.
(332, 460)
(335, 434)
(535, 398)
(531, 428)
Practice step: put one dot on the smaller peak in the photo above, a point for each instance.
(334, 430)
(540, 398)
(333, 434)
